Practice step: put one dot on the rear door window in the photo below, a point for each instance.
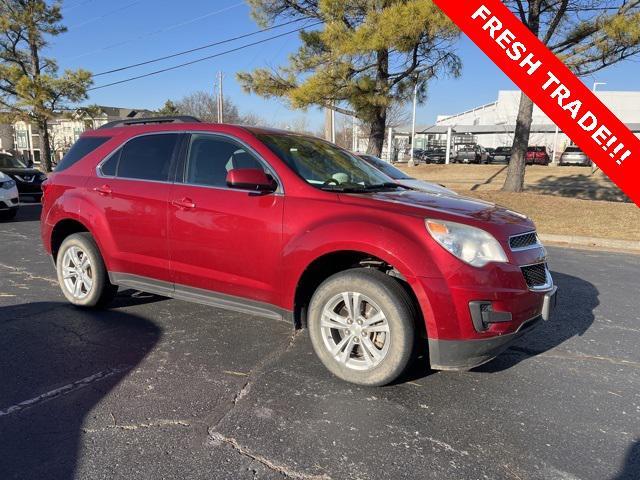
(148, 157)
(83, 147)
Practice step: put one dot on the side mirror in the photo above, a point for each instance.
(250, 179)
(30, 163)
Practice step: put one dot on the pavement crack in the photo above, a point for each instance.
(28, 275)
(79, 336)
(260, 366)
(63, 390)
(585, 356)
(138, 426)
(219, 439)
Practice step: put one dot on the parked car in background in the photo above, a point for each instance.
(419, 156)
(574, 156)
(290, 227)
(28, 179)
(8, 197)
(537, 156)
(402, 178)
(436, 155)
(472, 154)
(501, 155)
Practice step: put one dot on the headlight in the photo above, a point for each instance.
(42, 176)
(471, 245)
(8, 184)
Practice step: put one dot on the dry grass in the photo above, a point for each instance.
(573, 182)
(560, 200)
(570, 216)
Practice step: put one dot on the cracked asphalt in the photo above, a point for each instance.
(161, 389)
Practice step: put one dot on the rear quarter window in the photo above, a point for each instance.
(83, 147)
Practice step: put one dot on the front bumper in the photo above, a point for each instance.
(30, 188)
(470, 353)
(9, 199)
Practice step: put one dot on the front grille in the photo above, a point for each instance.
(525, 240)
(535, 275)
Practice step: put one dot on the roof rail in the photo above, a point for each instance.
(150, 120)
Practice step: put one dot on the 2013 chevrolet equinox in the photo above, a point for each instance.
(292, 227)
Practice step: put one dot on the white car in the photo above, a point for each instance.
(402, 178)
(8, 197)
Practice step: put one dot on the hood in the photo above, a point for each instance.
(424, 186)
(20, 171)
(446, 207)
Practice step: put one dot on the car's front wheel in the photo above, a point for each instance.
(361, 324)
(82, 274)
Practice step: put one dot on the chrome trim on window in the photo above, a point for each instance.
(268, 167)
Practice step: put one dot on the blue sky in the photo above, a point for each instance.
(106, 34)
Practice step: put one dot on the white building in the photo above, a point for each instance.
(493, 124)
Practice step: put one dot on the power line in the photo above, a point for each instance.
(168, 28)
(73, 6)
(175, 67)
(105, 15)
(203, 47)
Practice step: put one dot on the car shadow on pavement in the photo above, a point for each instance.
(26, 213)
(631, 468)
(130, 297)
(56, 363)
(577, 299)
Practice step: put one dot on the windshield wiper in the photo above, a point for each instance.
(380, 186)
(350, 189)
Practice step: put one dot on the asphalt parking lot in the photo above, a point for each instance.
(156, 388)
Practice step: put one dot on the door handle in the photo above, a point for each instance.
(184, 203)
(103, 190)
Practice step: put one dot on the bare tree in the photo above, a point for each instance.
(588, 35)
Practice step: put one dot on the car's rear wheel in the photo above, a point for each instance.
(82, 274)
(361, 324)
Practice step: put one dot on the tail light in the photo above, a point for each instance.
(44, 186)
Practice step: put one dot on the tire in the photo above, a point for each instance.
(371, 358)
(100, 292)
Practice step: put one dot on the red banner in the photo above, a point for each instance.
(552, 87)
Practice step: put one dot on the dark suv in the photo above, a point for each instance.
(28, 179)
(287, 226)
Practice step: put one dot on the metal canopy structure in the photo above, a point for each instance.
(488, 129)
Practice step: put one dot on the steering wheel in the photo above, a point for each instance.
(330, 181)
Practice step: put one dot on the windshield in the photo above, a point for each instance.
(385, 167)
(324, 165)
(7, 161)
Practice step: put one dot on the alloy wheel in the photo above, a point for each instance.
(77, 272)
(355, 331)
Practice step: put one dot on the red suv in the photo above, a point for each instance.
(537, 156)
(291, 227)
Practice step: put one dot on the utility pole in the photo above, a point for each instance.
(220, 99)
(354, 133)
(412, 162)
(333, 126)
(594, 167)
(327, 124)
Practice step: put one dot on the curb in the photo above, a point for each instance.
(607, 243)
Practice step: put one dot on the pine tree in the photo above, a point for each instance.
(587, 35)
(30, 87)
(367, 56)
